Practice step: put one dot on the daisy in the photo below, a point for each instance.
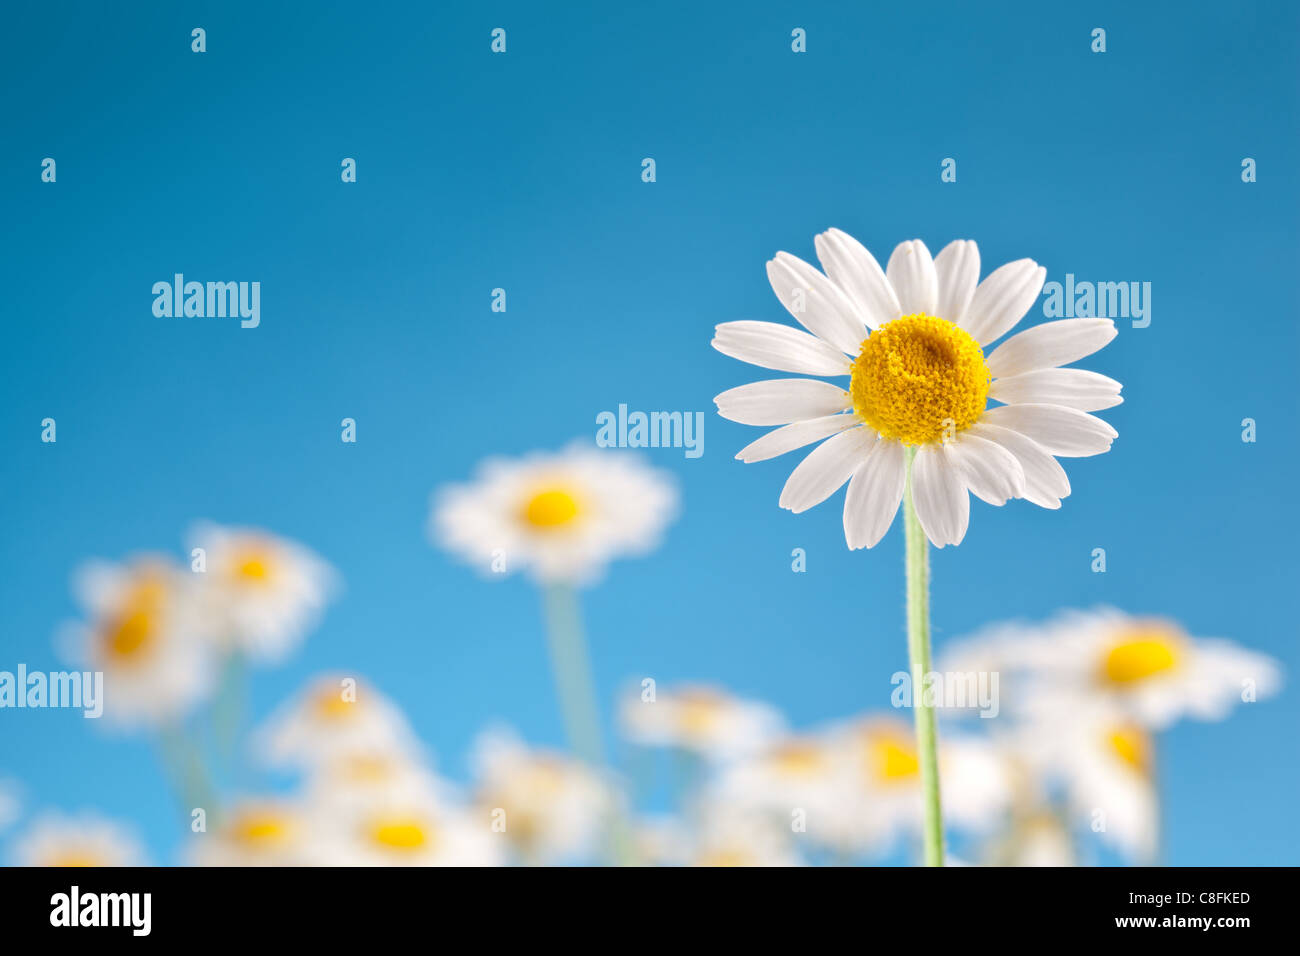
(144, 631)
(261, 831)
(730, 837)
(335, 716)
(700, 719)
(360, 778)
(83, 840)
(407, 831)
(549, 807)
(912, 340)
(263, 593)
(1146, 667)
(560, 516)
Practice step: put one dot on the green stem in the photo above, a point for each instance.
(918, 651)
(572, 668)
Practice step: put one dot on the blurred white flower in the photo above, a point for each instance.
(731, 835)
(144, 631)
(704, 720)
(82, 840)
(357, 779)
(261, 831)
(562, 516)
(262, 593)
(1149, 668)
(553, 808)
(334, 716)
(407, 831)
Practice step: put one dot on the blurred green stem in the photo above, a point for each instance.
(572, 668)
(918, 649)
(184, 764)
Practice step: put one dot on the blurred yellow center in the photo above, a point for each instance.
(725, 858)
(919, 378)
(333, 705)
(132, 630)
(254, 566)
(400, 833)
(698, 713)
(1132, 746)
(798, 759)
(891, 758)
(76, 859)
(1140, 658)
(366, 768)
(259, 829)
(552, 508)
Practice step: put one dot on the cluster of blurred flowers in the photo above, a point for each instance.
(1066, 768)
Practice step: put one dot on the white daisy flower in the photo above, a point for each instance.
(261, 831)
(355, 779)
(911, 338)
(701, 719)
(561, 516)
(145, 633)
(263, 593)
(551, 808)
(1146, 667)
(732, 836)
(410, 831)
(977, 781)
(335, 716)
(82, 840)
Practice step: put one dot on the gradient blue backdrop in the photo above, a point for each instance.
(523, 171)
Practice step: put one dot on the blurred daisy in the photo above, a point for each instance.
(700, 719)
(1147, 667)
(335, 716)
(886, 772)
(261, 832)
(911, 339)
(550, 807)
(561, 516)
(144, 632)
(264, 593)
(411, 832)
(84, 840)
(730, 836)
(359, 778)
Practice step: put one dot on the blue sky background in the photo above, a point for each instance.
(523, 171)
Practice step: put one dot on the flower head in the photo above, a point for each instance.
(563, 516)
(84, 840)
(912, 338)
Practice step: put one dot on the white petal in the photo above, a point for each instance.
(942, 505)
(911, 273)
(826, 469)
(1049, 345)
(990, 471)
(1002, 300)
(874, 493)
(796, 435)
(1045, 480)
(778, 401)
(817, 303)
(769, 345)
(1072, 387)
(957, 267)
(856, 271)
(1062, 431)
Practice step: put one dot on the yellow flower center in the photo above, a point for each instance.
(919, 379)
(551, 509)
(891, 759)
(259, 829)
(725, 858)
(132, 630)
(1142, 655)
(698, 713)
(76, 859)
(332, 704)
(400, 833)
(798, 759)
(1132, 746)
